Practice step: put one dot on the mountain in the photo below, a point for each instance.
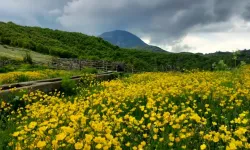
(122, 39)
(126, 39)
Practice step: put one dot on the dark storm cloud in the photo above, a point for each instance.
(162, 20)
(30, 12)
(246, 13)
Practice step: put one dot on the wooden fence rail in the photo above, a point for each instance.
(78, 64)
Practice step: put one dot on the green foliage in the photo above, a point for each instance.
(90, 70)
(120, 75)
(22, 67)
(27, 58)
(3, 58)
(73, 45)
(68, 86)
(235, 57)
(22, 78)
(7, 68)
(242, 63)
(33, 67)
(220, 66)
(8, 126)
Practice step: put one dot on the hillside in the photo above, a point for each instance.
(78, 45)
(19, 53)
(126, 39)
(151, 48)
(53, 42)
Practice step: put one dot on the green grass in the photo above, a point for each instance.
(6, 130)
(19, 53)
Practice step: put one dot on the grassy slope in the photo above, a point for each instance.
(18, 53)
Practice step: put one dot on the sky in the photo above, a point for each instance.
(203, 26)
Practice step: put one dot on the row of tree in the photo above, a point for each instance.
(77, 45)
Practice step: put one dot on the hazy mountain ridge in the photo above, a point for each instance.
(126, 39)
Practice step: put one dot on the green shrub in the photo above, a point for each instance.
(220, 66)
(68, 86)
(87, 80)
(242, 63)
(29, 67)
(121, 75)
(7, 68)
(90, 70)
(27, 58)
(3, 70)
(22, 78)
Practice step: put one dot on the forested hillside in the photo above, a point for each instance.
(78, 45)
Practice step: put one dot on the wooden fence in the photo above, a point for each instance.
(78, 64)
(4, 62)
(74, 64)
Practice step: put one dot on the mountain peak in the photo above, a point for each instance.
(122, 39)
(126, 39)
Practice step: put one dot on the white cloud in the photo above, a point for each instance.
(146, 39)
(227, 36)
(217, 42)
(55, 12)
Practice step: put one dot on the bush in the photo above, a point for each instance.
(242, 63)
(68, 86)
(90, 70)
(7, 68)
(22, 78)
(29, 67)
(27, 58)
(220, 66)
(87, 80)
(121, 75)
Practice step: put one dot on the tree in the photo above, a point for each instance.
(242, 63)
(220, 65)
(235, 57)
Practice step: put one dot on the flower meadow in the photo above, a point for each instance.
(19, 76)
(192, 110)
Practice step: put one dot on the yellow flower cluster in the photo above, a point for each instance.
(4, 107)
(200, 110)
(14, 77)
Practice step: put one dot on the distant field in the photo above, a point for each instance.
(18, 53)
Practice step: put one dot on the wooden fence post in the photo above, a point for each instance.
(80, 64)
(103, 66)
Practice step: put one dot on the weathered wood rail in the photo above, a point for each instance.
(79, 64)
(46, 86)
